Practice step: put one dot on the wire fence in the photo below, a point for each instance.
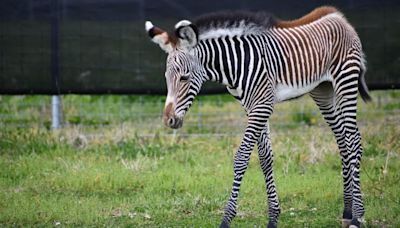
(94, 116)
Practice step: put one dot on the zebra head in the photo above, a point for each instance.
(184, 72)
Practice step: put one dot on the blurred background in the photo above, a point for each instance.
(99, 47)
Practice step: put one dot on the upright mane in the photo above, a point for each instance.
(246, 22)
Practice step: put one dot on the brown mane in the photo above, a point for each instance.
(310, 17)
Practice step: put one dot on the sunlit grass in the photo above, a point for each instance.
(113, 175)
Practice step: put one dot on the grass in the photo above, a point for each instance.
(107, 177)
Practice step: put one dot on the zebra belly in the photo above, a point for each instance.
(287, 92)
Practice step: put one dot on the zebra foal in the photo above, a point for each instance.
(263, 61)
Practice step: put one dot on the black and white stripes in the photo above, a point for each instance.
(262, 61)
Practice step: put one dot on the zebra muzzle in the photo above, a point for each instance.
(170, 119)
(174, 122)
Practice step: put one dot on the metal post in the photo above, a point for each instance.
(55, 74)
(56, 112)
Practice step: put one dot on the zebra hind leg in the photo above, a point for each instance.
(354, 151)
(354, 141)
(323, 95)
(266, 162)
(346, 92)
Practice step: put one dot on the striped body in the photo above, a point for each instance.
(262, 61)
(297, 59)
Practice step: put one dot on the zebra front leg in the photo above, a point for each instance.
(241, 161)
(266, 161)
(256, 122)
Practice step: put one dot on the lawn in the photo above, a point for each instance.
(111, 167)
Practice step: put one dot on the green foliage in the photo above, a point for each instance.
(392, 106)
(304, 118)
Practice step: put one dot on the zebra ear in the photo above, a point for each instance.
(160, 37)
(187, 34)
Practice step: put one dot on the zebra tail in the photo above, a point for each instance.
(362, 87)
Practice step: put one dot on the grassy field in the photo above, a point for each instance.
(110, 166)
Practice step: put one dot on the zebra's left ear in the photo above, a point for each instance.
(187, 33)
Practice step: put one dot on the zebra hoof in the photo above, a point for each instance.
(346, 223)
(224, 224)
(355, 223)
(353, 226)
(272, 224)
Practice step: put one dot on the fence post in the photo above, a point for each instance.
(56, 99)
(55, 112)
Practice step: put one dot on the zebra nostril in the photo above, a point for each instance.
(171, 121)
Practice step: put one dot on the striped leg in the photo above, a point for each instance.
(346, 92)
(351, 164)
(353, 140)
(266, 161)
(257, 120)
(339, 108)
(323, 96)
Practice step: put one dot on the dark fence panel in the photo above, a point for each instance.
(99, 46)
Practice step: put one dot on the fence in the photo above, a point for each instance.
(119, 116)
(100, 47)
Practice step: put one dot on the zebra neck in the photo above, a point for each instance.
(214, 57)
(234, 61)
(221, 59)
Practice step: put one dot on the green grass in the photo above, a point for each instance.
(77, 178)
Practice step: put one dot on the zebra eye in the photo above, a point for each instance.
(184, 77)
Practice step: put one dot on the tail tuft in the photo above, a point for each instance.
(363, 89)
